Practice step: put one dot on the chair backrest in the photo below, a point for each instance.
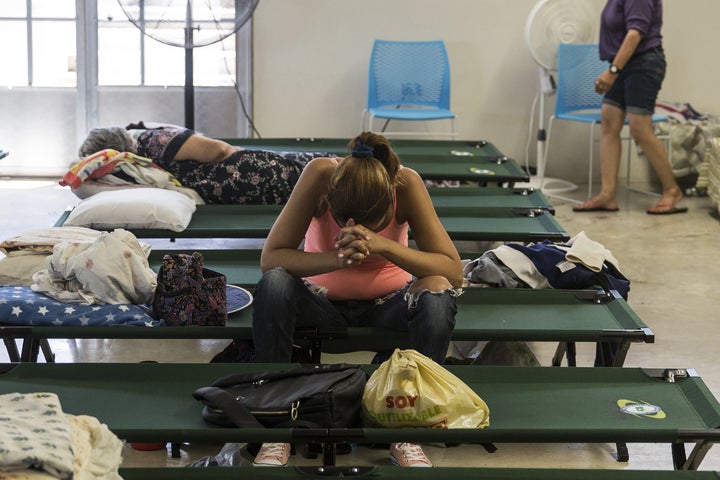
(578, 67)
(409, 73)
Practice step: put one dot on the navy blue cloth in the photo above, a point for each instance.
(546, 256)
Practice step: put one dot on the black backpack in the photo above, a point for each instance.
(321, 396)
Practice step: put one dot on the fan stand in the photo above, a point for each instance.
(549, 186)
(189, 88)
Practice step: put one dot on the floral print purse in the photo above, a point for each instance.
(188, 294)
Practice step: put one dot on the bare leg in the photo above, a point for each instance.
(611, 126)
(642, 131)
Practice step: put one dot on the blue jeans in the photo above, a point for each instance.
(283, 302)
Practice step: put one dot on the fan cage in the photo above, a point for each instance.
(552, 22)
(188, 23)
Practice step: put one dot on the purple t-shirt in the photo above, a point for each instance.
(619, 16)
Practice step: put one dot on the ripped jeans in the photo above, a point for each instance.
(283, 302)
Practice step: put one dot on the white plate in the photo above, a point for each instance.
(237, 298)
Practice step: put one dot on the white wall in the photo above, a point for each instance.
(310, 63)
(311, 59)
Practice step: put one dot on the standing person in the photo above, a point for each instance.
(216, 170)
(630, 40)
(356, 267)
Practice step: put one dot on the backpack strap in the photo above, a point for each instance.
(214, 397)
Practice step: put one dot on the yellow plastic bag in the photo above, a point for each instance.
(411, 390)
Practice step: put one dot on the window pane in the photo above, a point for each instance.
(14, 60)
(164, 65)
(109, 11)
(53, 8)
(54, 54)
(14, 8)
(118, 54)
(215, 65)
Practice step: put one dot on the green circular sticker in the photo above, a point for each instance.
(461, 153)
(481, 171)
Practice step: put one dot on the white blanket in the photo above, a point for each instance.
(91, 450)
(112, 269)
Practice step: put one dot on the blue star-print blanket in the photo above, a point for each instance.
(22, 306)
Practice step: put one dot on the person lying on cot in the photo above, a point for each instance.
(356, 267)
(218, 171)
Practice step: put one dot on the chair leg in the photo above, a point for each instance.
(590, 161)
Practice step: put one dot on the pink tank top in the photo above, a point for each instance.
(375, 277)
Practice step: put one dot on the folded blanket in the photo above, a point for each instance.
(35, 433)
(101, 163)
(97, 453)
(580, 249)
(42, 240)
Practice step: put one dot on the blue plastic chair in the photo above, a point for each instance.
(578, 68)
(408, 81)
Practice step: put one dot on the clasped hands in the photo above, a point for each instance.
(354, 244)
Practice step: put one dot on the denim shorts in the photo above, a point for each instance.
(636, 88)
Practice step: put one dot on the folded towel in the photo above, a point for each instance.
(589, 252)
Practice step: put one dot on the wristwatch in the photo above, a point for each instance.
(614, 69)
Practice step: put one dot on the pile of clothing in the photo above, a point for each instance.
(579, 263)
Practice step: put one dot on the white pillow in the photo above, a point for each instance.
(134, 208)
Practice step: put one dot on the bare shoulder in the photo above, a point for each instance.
(320, 167)
(410, 181)
(314, 179)
(413, 200)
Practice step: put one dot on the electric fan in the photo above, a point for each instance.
(188, 24)
(550, 23)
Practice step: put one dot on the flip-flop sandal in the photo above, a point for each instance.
(591, 206)
(672, 209)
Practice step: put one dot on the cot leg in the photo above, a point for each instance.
(571, 359)
(606, 352)
(30, 350)
(559, 354)
(678, 455)
(622, 452)
(563, 349)
(316, 350)
(175, 450)
(47, 351)
(329, 454)
(697, 455)
(12, 350)
(620, 354)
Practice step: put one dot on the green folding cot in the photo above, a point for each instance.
(563, 316)
(522, 224)
(527, 405)
(465, 160)
(396, 473)
(473, 198)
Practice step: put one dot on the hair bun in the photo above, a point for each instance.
(361, 150)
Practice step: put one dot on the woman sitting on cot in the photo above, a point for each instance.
(356, 267)
(216, 170)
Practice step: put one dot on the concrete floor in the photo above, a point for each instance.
(672, 262)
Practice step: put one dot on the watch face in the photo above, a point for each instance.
(614, 69)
